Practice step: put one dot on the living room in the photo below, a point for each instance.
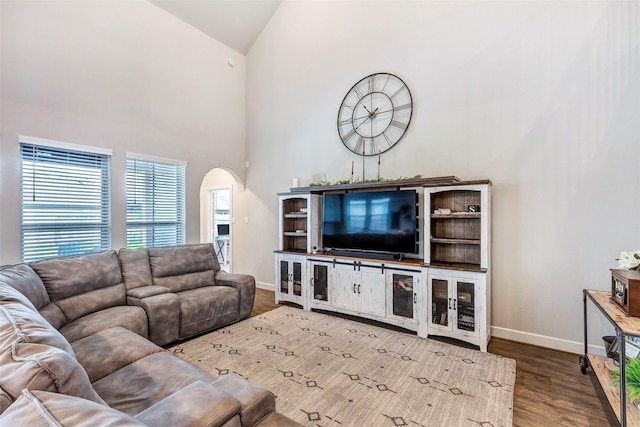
(539, 97)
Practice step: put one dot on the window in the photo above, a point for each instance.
(155, 203)
(64, 200)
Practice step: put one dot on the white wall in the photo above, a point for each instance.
(540, 97)
(122, 75)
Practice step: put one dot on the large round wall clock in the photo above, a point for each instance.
(375, 114)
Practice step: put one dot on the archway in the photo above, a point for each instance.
(216, 212)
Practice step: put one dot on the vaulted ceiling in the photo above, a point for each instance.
(235, 23)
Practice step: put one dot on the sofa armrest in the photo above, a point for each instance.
(163, 315)
(198, 404)
(245, 284)
(147, 291)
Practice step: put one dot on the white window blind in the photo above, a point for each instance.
(65, 202)
(155, 203)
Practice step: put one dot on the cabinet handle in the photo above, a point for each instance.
(414, 298)
(354, 288)
(312, 282)
(454, 304)
(449, 303)
(358, 288)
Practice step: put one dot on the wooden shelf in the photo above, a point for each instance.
(627, 324)
(612, 391)
(457, 216)
(295, 215)
(294, 234)
(455, 241)
(457, 266)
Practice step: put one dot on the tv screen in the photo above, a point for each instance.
(382, 221)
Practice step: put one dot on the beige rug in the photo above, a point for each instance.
(329, 371)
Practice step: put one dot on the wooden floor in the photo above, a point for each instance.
(550, 390)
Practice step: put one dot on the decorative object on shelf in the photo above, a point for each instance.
(629, 260)
(473, 208)
(375, 114)
(326, 183)
(442, 211)
(625, 290)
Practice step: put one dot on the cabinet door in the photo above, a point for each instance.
(441, 302)
(296, 277)
(371, 291)
(320, 278)
(283, 278)
(466, 292)
(345, 295)
(402, 293)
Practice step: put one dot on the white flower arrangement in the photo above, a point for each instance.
(629, 260)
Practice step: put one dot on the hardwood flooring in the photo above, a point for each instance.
(550, 390)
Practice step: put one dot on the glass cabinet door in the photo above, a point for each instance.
(403, 295)
(297, 278)
(439, 305)
(465, 294)
(284, 276)
(320, 282)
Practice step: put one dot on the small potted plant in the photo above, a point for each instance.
(632, 373)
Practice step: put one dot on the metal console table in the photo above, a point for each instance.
(625, 326)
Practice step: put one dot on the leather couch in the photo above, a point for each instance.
(80, 341)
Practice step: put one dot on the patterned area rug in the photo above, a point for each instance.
(329, 371)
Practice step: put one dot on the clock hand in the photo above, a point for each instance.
(363, 122)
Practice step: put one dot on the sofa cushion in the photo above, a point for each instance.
(68, 278)
(107, 351)
(5, 400)
(184, 267)
(141, 384)
(206, 308)
(129, 317)
(198, 404)
(136, 271)
(42, 367)
(19, 323)
(26, 281)
(45, 409)
(91, 302)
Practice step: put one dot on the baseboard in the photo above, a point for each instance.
(576, 347)
(267, 286)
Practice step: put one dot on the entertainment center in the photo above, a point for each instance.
(411, 253)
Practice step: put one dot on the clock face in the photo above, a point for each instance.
(375, 114)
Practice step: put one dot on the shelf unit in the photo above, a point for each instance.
(459, 237)
(457, 253)
(625, 326)
(300, 222)
(454, 249)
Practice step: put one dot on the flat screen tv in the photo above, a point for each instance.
(382, 221)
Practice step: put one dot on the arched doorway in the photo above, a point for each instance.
(216, 213)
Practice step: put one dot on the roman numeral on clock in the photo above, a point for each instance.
(398, 124)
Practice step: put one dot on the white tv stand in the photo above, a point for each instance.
(446, 291)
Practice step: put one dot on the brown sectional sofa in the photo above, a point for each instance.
(80, 341)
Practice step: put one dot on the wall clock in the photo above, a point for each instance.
(375, 114)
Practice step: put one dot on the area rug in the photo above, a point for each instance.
(330, 371)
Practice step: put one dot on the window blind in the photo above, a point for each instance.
(155, 203)
(65, 202)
